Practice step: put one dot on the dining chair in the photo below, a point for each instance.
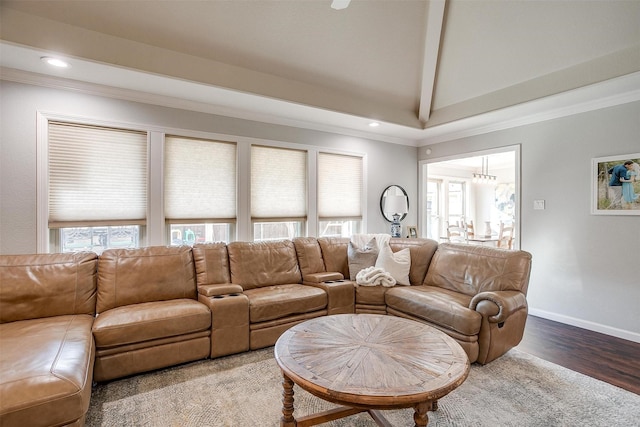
(470, 232)
(505, 236)
(457, 233)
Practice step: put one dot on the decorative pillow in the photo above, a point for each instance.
(397, 264)
(360, 258)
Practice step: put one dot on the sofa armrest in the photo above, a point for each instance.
(324, 276)
(340, 295)
(229, 317)
(497, 306)
(219, 289)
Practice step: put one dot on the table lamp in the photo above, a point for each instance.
(396, 206)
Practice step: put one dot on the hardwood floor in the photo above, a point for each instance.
(597, 355)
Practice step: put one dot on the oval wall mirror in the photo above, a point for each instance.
(390, 198)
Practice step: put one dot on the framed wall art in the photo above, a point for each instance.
(412, 231)
(615, 185)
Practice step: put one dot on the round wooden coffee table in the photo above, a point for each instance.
(368, 362)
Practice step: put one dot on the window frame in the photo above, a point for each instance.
(174, 224)
(48, 239)
(156, 232)
(351, 222)
(299, 223)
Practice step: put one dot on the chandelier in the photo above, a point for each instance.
(484, 177)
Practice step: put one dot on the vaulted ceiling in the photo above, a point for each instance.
(411, 65)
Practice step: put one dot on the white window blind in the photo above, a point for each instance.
(278, 184)
(97, 175)
(199, 180)
(339, 186)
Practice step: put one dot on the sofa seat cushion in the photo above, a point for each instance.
(274, 302)
(441, 307)
(150, 321)
(46, 366)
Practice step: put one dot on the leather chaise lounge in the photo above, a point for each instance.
(47, 352)
(69, 319)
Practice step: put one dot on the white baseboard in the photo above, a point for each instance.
(585, 324)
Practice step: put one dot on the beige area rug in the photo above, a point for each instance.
(245, 390)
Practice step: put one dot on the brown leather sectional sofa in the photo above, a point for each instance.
(69, 319)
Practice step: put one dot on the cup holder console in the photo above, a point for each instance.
(226, 295)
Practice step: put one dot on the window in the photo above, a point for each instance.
(97, 187)
(433, 208)
(278, 192)
(97, 239)
(340, 182)
(104, 185)
(504, 208)
(456, 202)
(204, 232)
(200, 190)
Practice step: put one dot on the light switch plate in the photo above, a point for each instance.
(538, 204)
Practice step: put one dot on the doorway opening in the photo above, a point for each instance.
(482, 188)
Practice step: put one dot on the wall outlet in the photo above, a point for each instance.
(538, 204)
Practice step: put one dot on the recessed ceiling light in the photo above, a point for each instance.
(56, 62)
(340, 4)
(374, 124)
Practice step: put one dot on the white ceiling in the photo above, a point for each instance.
(413, 65)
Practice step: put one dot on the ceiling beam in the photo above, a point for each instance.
(433, 33)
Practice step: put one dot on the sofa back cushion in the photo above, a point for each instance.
(334, 254)
(133, 276)
(259, 264)
(471, 269)
(309, 255)
(212, 263)
(421, 251)
(46, 285)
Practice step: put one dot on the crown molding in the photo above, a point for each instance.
(258, 108)
(609, 93)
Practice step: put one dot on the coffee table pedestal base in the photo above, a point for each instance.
(420, 417)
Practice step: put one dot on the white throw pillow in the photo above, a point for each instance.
(397, 264)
